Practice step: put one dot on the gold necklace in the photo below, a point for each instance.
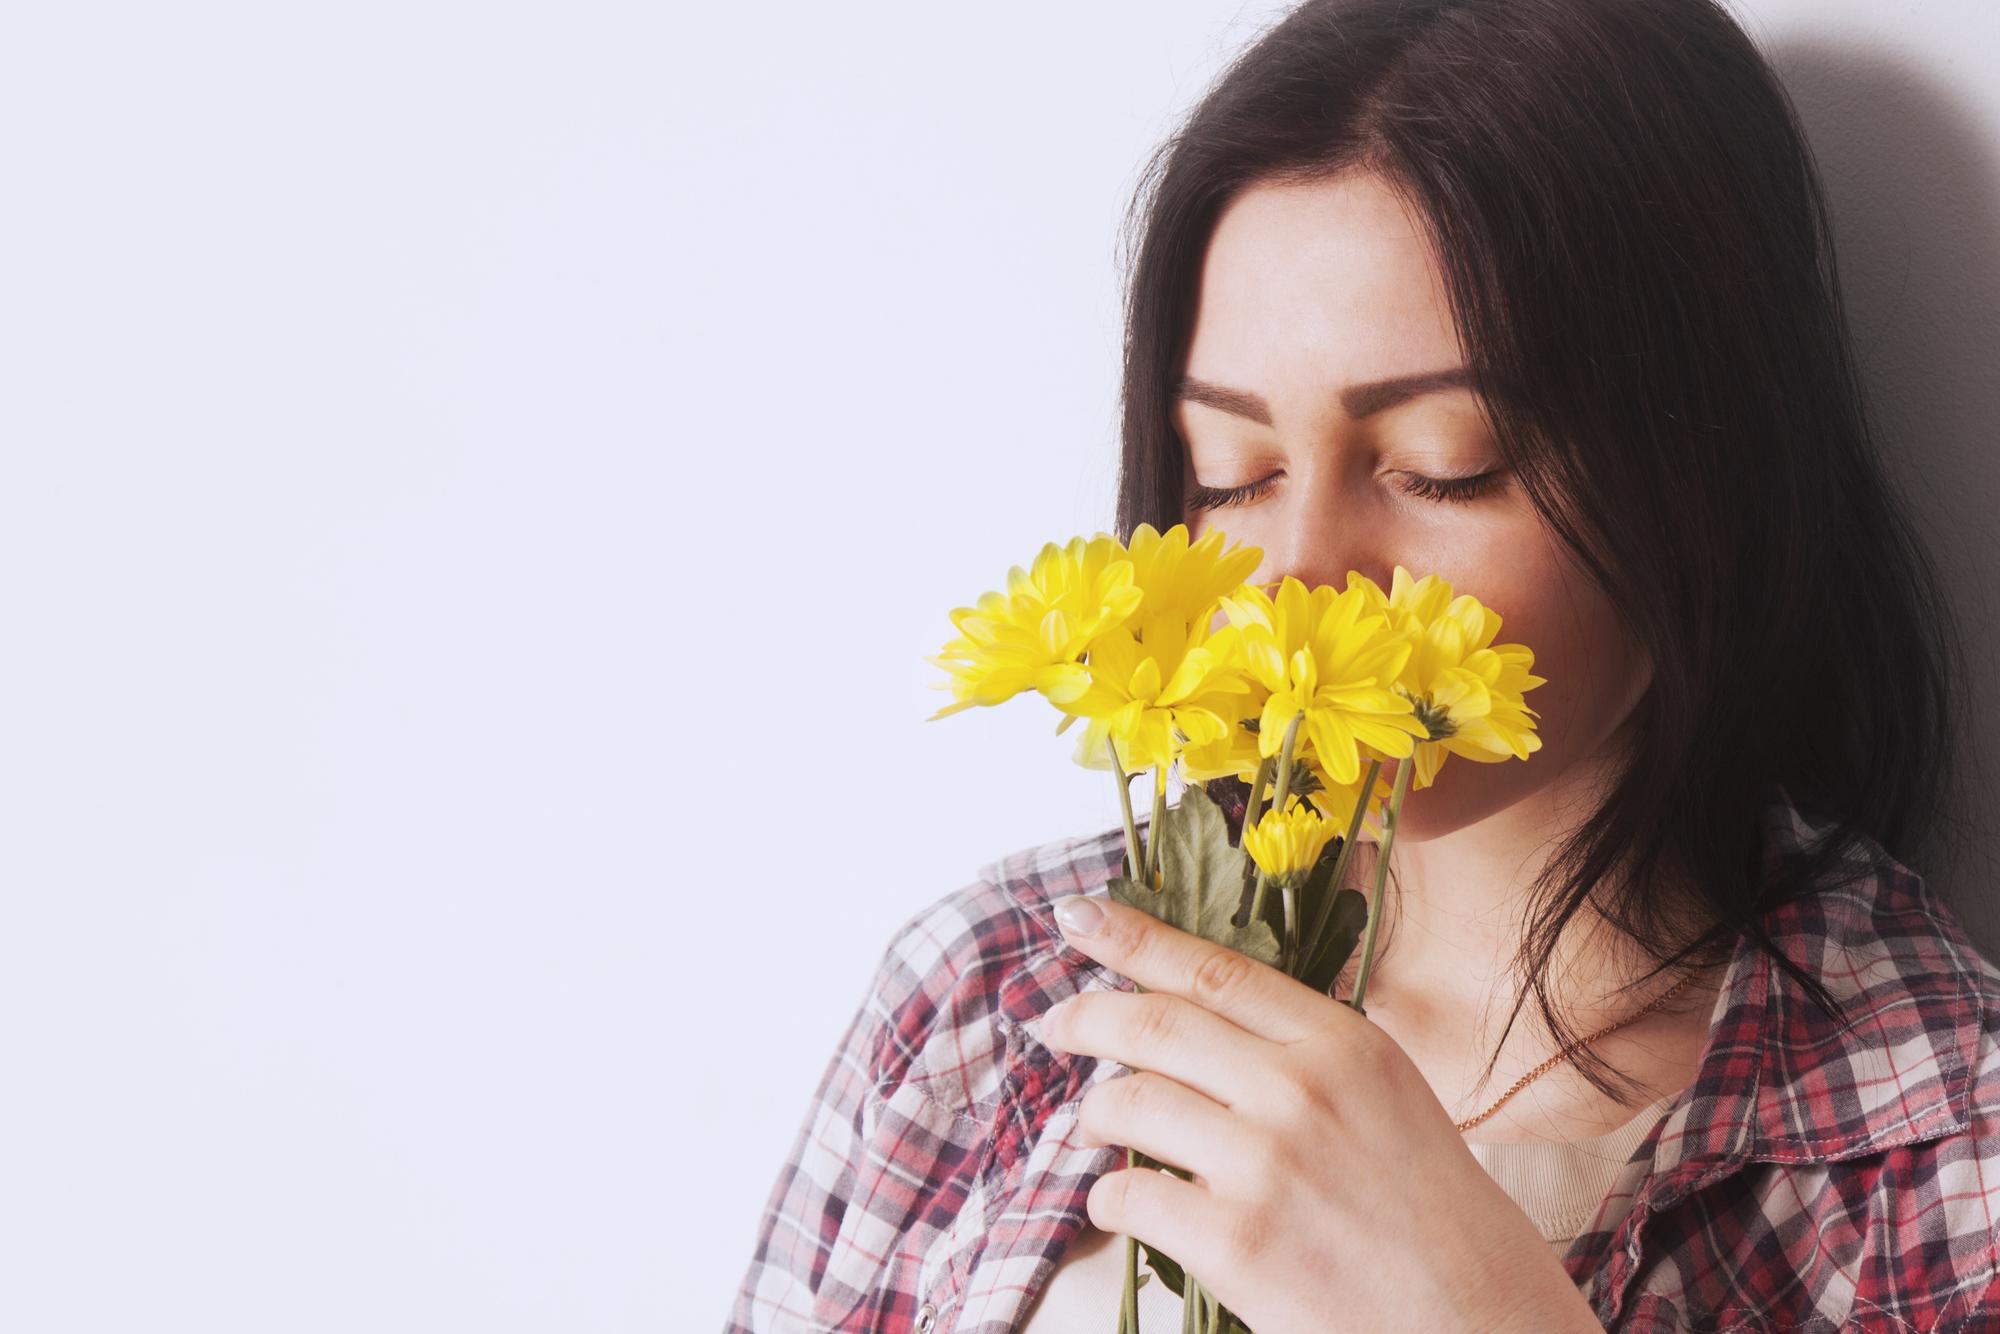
(1563, 1055)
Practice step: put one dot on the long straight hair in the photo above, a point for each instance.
(1637, 255)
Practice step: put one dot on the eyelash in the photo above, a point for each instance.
(1453, 490)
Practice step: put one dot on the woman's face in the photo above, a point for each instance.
(1318, 304)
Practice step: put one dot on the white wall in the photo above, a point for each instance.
(479, 485)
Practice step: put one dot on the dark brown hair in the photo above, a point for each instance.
(1635, 246)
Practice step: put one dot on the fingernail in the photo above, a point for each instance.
(1078, 915)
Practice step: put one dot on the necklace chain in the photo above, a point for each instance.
(1564, 1054)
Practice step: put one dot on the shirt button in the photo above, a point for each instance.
(926, 1317)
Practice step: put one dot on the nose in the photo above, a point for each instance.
(1331, 520)
(1316, 550)
(1320, 548)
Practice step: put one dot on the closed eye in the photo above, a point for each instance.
(1455, 489)
(1217, 497)
(1451, 490)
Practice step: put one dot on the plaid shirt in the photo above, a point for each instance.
(1809, 1178)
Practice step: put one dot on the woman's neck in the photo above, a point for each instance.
(1442, 984)
(1450, 1041)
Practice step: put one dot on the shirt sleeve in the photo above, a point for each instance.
(815, 1186)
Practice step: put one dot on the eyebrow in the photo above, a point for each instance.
(1360, 400)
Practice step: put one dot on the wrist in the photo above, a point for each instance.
(1551, 1310)
(1537, 1297)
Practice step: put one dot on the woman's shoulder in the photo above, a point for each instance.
(1874, 1201)
(906, 1120)
(1822, 1170)
(1916, 1061)
(961, 974)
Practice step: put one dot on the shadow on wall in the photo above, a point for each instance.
(1912, 177)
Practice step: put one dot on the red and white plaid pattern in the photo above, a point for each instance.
(1810, 1178)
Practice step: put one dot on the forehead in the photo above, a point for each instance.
(1310, 286)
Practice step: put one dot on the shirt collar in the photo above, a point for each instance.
(1778, 1081)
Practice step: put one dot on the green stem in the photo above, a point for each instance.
(1381, 872)
(1133, 852)
(1290, 953)
(1128, 1303)
(1324, 908)
(1153, 829)
(1277, 802)
(1128, 1306)
(1257, 787)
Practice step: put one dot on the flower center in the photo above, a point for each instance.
(1437, 721)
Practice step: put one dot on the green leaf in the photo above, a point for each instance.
(1202, 880)
(1327, 944)
(1345, 922)
(1163, 1264)
(1246, 894)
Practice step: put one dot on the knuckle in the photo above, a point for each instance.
(1264, 1168)
(1246, 1235)
(1293, 1099)
(1370, 1056)
(1222, 972)
(1140, 1094)
(1154, 1025)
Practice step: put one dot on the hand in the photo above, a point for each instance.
(1330, 1190)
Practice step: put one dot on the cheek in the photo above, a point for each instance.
(1594, 676)
(1594, 670)
(1548, 602)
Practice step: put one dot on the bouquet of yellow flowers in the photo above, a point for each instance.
(1304, 694)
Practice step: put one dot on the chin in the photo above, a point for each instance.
(1464, 793)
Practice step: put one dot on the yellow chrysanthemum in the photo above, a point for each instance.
(1465, 689)
(1164, 679)
(1032, 635)
(1330, 654)
(1182, 580)
(1285, 844)
(1152, 685)
(1233, 753)
(1336, 801)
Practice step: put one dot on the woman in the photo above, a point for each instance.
(1538, 295)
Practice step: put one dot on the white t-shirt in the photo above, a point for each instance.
(1561, 1184)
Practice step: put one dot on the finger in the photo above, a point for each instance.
(1163, 1033)
(1159, 1209)
(1163, 1119)
(1252, 995)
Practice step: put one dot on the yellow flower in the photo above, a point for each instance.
(1336, 801)
(1031, 636)
(1285, 844)
(1163, 679)
(1332, 655)
(1466, 690)
(1233, 753)
(1150, 687)
(1183, 581)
